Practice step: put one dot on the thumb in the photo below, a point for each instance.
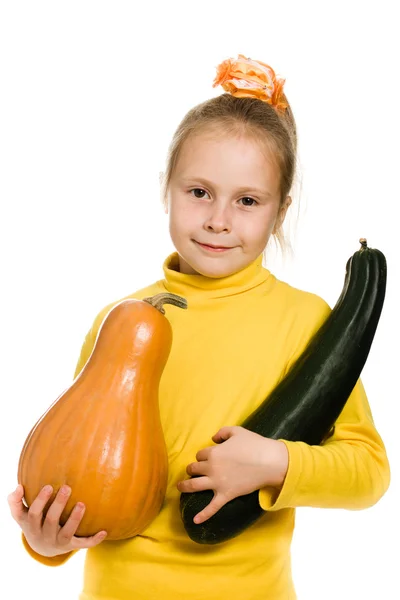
(213, 507)
(15, 502)
(223, 434)
(17, 495)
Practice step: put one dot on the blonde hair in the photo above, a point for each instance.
(252, 117)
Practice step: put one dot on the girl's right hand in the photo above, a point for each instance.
(47, 537)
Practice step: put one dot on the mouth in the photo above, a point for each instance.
(213, 248)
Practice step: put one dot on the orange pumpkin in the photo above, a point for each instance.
(103, 435)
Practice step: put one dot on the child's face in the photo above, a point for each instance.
(224, 192)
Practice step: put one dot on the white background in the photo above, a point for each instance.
(91, 93)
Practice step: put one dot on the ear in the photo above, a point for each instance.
(282, 214)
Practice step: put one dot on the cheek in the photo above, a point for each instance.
(260, 226)
(186, 213)
(182, 219)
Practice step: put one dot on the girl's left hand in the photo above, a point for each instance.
(245, 462)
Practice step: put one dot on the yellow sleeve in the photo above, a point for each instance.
(350, 470)
(86, 351)
(90, 338)
(50, 561)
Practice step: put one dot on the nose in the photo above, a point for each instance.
(219, 218)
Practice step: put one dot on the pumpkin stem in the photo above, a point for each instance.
(165, 298)
(363, 243)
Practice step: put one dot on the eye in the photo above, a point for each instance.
(204, 192)
(198, 190)
(251, 200)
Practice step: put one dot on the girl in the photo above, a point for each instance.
(226, 188)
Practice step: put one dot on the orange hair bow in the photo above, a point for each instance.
(246, 78)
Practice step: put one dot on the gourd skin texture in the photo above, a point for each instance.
(307, 402)
(103, 435)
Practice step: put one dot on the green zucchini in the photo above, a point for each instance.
(306, 403)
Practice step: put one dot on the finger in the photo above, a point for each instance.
(213, 507)
(35, 513)
(51, 524)
(198, 468)
(223, 434)
(67, 532)
(17, 507)
(194, 485)
(88, 542)
(204, 454)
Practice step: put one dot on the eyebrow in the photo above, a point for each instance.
(241, 189)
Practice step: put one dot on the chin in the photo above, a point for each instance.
(215, 267)
(216, 271)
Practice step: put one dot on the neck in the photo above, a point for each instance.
(195, 285)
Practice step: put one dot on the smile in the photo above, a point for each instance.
(212, 249)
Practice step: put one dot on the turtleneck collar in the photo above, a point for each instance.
(191, 285)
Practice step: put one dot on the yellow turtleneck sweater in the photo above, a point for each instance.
(231, 346)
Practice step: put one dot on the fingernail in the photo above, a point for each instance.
(17, 489)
